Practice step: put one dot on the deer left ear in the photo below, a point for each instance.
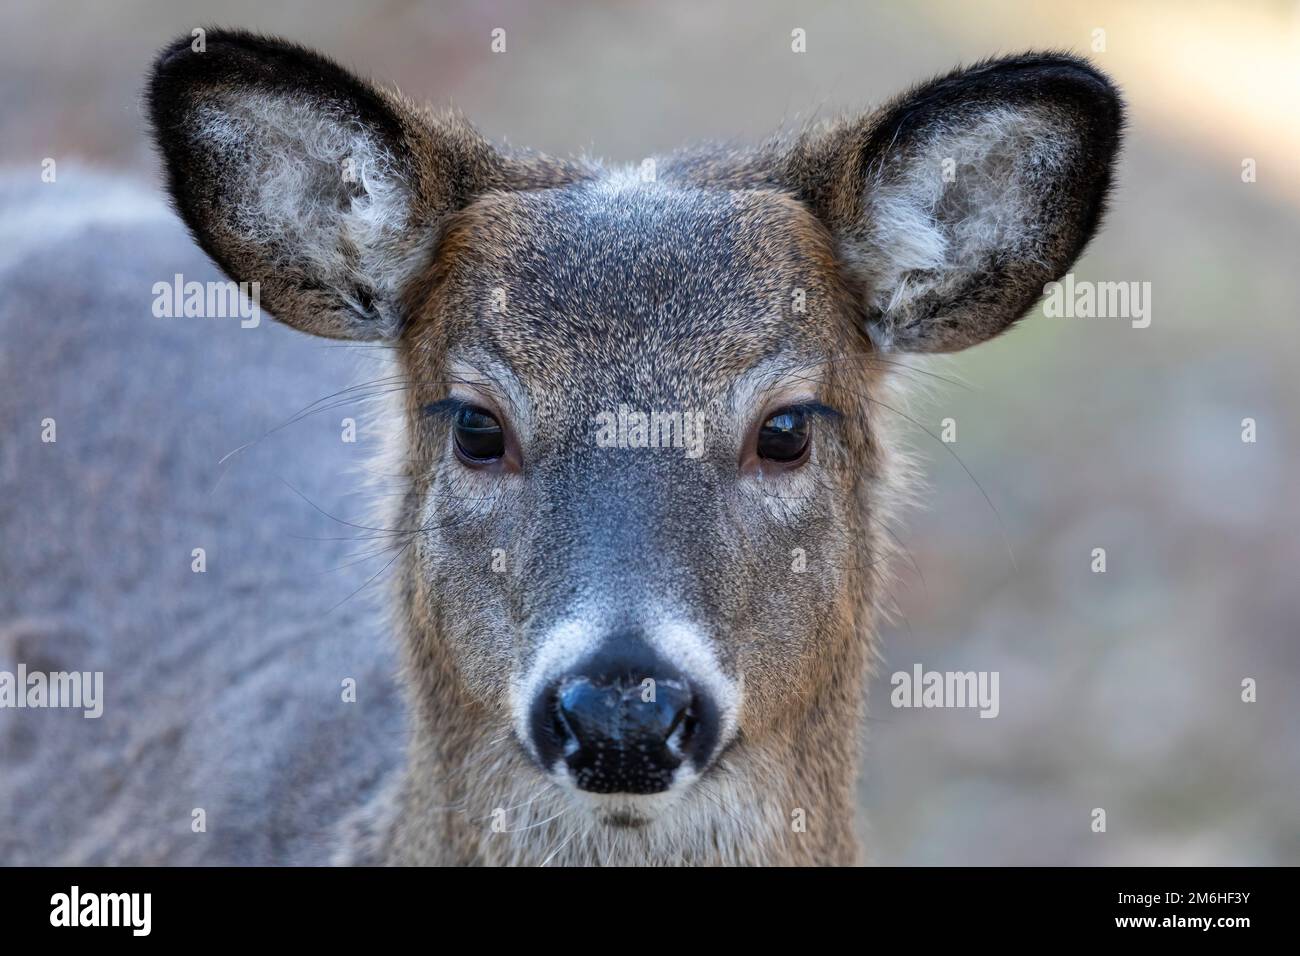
(954, 205)
(293, 173)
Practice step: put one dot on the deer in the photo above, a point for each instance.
(614, 650)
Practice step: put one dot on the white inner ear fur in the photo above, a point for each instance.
(956, 198)
(317, 190)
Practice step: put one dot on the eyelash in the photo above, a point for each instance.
(447, 408)
(811, 409)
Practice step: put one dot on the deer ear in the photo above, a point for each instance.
(295, 174)
(954, 205)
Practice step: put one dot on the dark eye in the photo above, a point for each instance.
(479, 437)
(784, 436)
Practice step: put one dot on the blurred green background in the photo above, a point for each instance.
(1118, 690)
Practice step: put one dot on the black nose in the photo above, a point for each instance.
(623, 722)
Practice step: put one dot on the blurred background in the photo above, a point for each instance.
(1119, 690)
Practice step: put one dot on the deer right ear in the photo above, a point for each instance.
(293, 173)
(954, 205)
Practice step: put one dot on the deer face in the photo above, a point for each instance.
(640, 464)
(645, 454)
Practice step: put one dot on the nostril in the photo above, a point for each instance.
(681, 732)
(564, 734)
(589, 713)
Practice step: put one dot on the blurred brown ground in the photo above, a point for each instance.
(1119, 690)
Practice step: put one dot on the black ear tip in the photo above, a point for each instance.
(241, 58)
(1056, 76)
(1061, 69)
(169, 55)
(180, 51)
(1057, 79)
(1047, 66)
(224, 52)
(179, 60)
(1076, 69)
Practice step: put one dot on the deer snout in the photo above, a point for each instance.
(624, 723)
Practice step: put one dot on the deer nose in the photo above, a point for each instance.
(624, 737)
(624, 725)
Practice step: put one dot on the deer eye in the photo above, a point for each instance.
(784, 436)
(478, 435)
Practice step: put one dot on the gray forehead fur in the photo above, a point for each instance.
(654, 292)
